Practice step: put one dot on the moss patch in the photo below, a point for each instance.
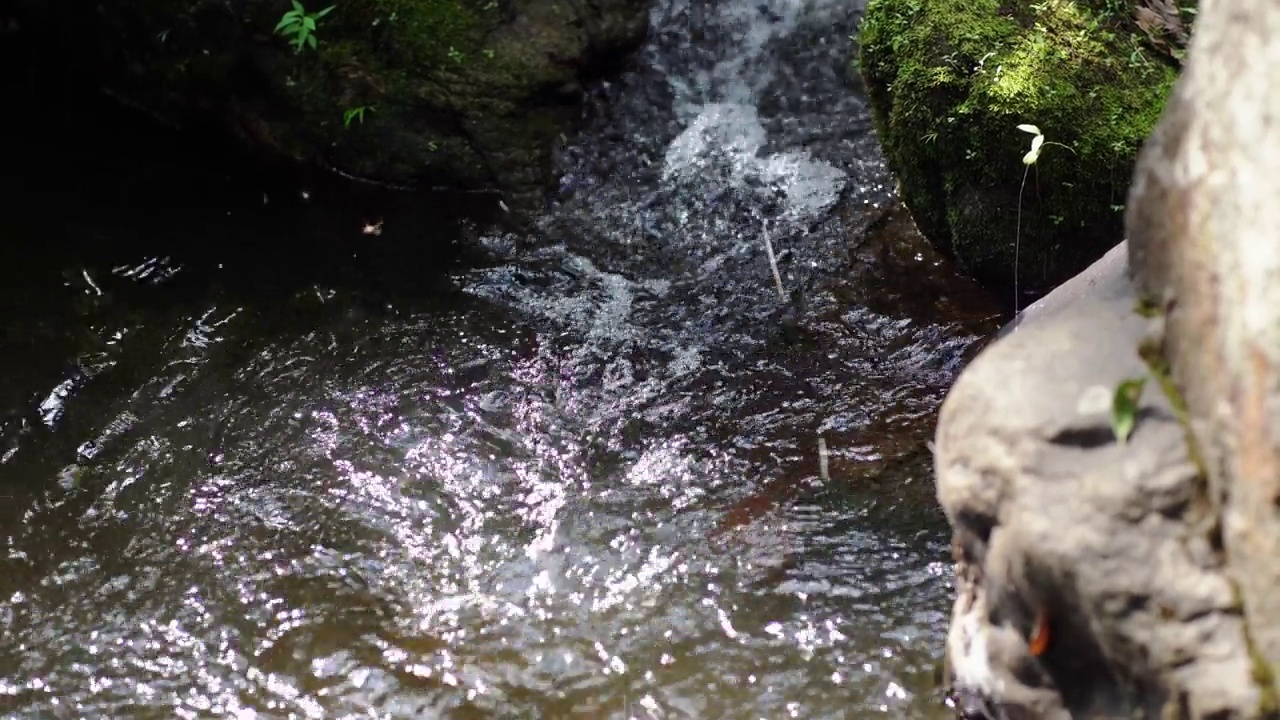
(1260, 671)
(397, 57)
(950, 80)
(417, 33)
(1269, 706)
(461, 94)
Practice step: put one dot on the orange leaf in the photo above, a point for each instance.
(1040, 634)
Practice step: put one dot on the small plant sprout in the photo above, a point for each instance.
(300, 26)
(1038, 143)
(1124, 407)
(356, 113)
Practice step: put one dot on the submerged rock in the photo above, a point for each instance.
(950, 81)
(470, 93)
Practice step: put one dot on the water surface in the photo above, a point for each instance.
(258, 463)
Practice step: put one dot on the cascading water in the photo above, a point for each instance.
(587, 486)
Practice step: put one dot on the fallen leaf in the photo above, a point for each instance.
(1040, 634)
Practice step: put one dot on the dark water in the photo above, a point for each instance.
(258, 463)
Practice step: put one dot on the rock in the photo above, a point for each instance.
(1106, 279)
(1088, 584)
(465, 93)
(949, 82)
(1205, 226)
(1155, 562)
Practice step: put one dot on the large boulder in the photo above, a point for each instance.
(1099, 576)
(468, 93)
(949, 82)
(1204, 220)
(1088, 585)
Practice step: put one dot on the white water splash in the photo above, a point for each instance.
(743, 72)
(726, 141)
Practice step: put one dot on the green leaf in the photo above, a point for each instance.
(309, 23)
(311, 40)
(298, 7)
(355, 113)
(285, 22)
(1124, 407)
(325, 11)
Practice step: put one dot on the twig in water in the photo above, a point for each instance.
(773, 265)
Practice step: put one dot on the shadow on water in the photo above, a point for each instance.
(257, 462)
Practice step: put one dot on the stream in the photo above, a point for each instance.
(259, 462)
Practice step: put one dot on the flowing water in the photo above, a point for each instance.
(602, 472)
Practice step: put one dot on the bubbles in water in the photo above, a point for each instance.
(724, 144)
(812, 187)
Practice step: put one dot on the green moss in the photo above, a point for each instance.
(423, 64)
(1147, 307)
(1261, 671)
(416, 33)
(949, 81)
(1152, 354)
(1269, 706)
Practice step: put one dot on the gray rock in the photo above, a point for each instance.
(1056, 521)
(1107, 278)
(1204, 222)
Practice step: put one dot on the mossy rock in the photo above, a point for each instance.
(464, 93)
(950, 81)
